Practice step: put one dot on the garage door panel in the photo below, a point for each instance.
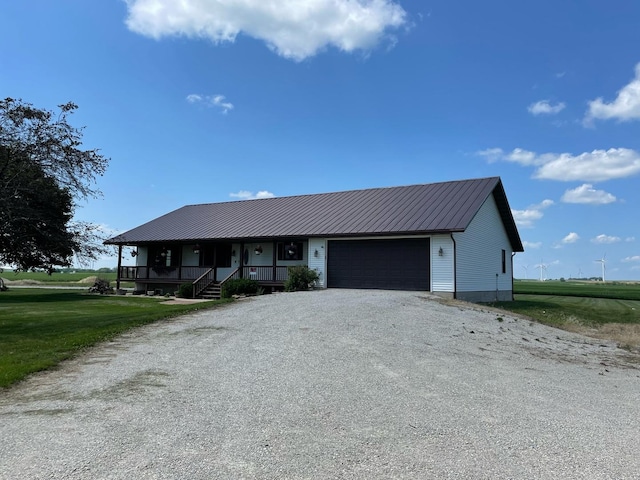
(399, 264)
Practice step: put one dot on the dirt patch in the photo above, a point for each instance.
(89, 280)
(184, 301)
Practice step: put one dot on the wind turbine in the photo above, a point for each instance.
(526, 271)
(603, 262)
(542, 268)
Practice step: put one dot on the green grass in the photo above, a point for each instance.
(614, 290)
(558, 310)
(57, 278)
(39, 328)
(617, 320)
(77, 279)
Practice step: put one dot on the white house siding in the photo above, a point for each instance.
(442, 265)
(479, 248)
(319, 262)
(189, 259)
(141, 259)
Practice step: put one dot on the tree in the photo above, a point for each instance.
(43, 172)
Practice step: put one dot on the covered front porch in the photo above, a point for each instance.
(163, 267)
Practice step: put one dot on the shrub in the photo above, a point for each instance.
(101, 286)
(300, 278)
(185, 290)
(239, 286)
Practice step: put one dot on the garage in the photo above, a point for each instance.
(398, 264)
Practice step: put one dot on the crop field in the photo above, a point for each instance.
(615, 290)
(41, 327)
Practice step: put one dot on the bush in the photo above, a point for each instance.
(300, 278)
(185, 290)
(239, 286)
(101, 286)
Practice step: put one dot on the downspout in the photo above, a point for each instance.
(512, 296)
(455, 270)
(119, 267)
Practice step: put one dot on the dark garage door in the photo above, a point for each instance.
(385, 264)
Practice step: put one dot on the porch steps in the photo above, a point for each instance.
(212, 292)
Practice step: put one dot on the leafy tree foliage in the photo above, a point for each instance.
(43, 171)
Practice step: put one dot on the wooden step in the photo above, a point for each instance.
(211, 292)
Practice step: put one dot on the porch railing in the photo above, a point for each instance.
(265, 274)
(203, 281)
(161, 273)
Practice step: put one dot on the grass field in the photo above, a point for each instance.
(615, 290)
(41, 327)
(602, 311)
(56, 278)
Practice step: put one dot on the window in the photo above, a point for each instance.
(290, 251)
(504, 261)
(164, 256)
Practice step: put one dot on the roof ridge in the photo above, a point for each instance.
(343, 191)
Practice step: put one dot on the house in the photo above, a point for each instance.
(454, 238)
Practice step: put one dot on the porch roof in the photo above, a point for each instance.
(415, 209)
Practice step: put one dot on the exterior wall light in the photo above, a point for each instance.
(316, 254)
(134, 253)
(196, 249)
(440, 252)
(258, 250)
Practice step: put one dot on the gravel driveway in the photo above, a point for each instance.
(335, 384)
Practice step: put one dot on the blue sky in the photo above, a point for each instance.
(206, 101)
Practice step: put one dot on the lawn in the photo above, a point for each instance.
(76, 278)
(614, 319)
(41, 327)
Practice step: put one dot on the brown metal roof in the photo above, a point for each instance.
(415, 209)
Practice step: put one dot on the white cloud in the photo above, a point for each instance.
(573, 237)
(525, 218)
(294, 29)
(247, 195)
(543, 107)
(596, 166)
(630, 239)
(588, 195)
(533, 245)
(492, 154)
(625, 107)
(217, 101)
(635, 258)
(602, 238)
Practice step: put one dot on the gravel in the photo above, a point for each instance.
(334, 384)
